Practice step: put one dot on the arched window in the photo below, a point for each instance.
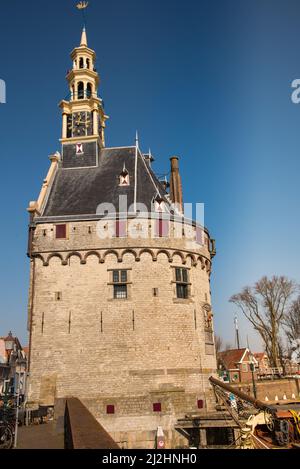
(73, 92)
(88, 90)
(80, 90)
(81, 63)
(87, 63)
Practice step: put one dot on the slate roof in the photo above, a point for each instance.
(79, 191)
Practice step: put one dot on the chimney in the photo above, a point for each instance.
(175, 184)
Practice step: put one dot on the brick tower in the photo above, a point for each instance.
(119, 308)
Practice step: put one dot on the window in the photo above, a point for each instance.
(120, 284)
(200, 404)
(81, 62)
(182, 282)
(110, 409)
(80, 93)
(157, 407)
(245, 367)
(61, 231)
(89, 90)
(124, 177)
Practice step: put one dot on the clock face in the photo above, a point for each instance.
(80, 124)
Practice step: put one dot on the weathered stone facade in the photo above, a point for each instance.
(149, 348)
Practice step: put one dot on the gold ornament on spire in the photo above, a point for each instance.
(82, 5)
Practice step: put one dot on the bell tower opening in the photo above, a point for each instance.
(88, 90)
(80, 92)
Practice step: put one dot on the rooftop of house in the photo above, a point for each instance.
(260, 355)
(231, 358)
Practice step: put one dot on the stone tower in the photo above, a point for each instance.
(119, 308)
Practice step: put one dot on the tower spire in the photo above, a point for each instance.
(83, 41)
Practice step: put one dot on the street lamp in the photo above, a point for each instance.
(19, 377)
(252, 369)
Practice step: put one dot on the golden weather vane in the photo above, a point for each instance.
(82, 6)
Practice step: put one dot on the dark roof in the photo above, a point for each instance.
(79, 191)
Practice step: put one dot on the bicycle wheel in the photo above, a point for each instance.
(6, 437)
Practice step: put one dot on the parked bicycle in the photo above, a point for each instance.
(7, 424)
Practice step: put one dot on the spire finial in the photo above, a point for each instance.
(137, 139)
(83, 41)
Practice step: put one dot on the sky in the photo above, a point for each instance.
(208, 81)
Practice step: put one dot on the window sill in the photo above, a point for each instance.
(183, 300)
(119, 299)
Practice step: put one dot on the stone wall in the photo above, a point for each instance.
(128, 353)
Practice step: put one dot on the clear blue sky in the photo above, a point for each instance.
(206, 80)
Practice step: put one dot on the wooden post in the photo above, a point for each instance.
(203, 439)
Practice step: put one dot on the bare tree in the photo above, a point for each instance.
(218, 343)
(292, 321)
(265, 306)
(228, 346)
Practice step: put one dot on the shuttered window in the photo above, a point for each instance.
(120, 229)
(61, 231)
(161, 228)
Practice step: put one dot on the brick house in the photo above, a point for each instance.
(263, 364)
(235, 365)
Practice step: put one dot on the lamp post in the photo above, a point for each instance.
(253, 377)
(19, 374)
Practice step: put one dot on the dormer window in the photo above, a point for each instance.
(124, 177)
(159, 204)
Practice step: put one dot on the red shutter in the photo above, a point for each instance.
(61, 231)
(121, 228)
(200, 404)
(162, 228)
(157, 407)
(110, 409)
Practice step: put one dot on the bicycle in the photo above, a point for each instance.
(7, 434)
